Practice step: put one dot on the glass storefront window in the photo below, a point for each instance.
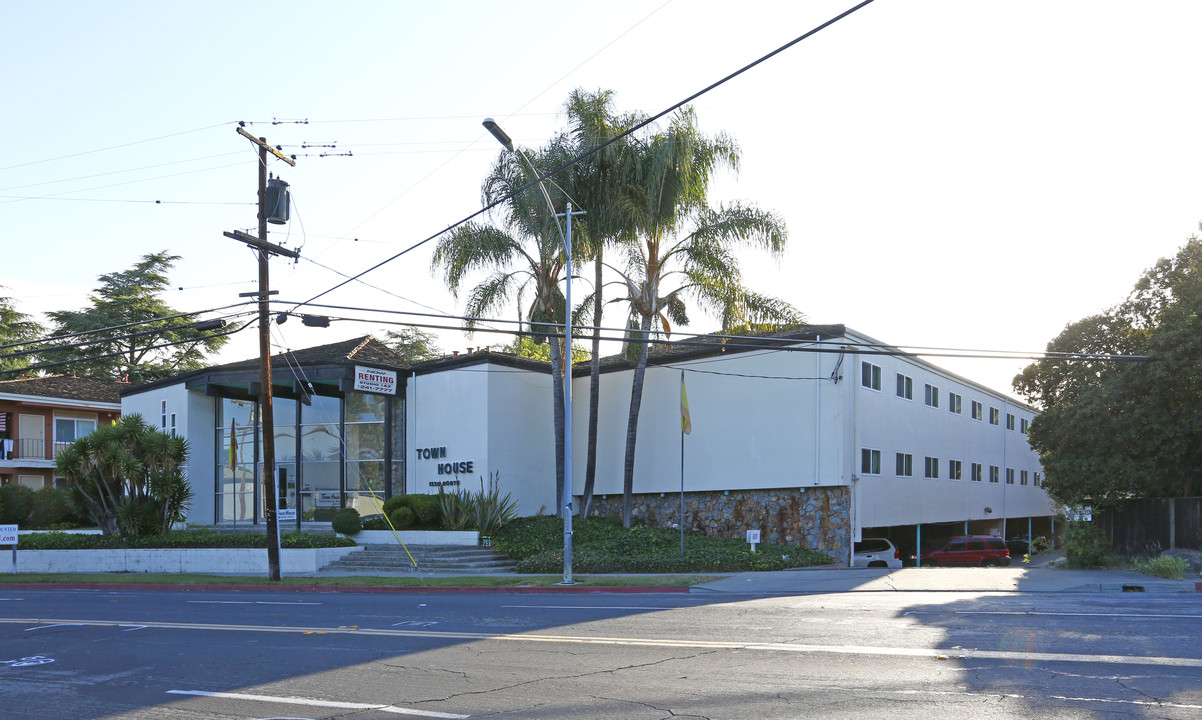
(365, 407)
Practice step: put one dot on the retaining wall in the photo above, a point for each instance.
(206, 561)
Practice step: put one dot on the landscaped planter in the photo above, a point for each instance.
(204, 561)
(468, 538)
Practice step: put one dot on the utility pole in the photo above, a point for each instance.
(267, 419)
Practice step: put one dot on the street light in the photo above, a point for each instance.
(499, 134)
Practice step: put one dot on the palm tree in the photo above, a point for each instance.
(685, 249)
(592, 182)
(524, 253)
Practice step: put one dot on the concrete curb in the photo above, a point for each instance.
(566, 590)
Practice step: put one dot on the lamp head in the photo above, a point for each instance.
(492, 126)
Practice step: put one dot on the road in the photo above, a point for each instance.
(138, 654)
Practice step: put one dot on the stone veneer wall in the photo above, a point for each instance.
(817, 518)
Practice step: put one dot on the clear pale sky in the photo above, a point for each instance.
(956, 173)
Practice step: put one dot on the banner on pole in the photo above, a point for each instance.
(686, 421)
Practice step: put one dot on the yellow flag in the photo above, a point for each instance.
(686, 421)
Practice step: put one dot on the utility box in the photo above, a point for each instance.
(275, 204)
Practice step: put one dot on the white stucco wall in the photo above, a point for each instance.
(447, 410)
(893, 424)
(195, 421)
(760, 420)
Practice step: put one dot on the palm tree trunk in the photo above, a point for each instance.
(557, 402)
(632, 423)
(594, 393)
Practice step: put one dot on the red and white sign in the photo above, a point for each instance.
(375, 381)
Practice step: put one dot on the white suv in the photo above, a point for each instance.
(876, 553)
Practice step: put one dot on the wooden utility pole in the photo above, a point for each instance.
(266, 418)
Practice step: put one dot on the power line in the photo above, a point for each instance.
(593, 151)
(114, 147)
(110, 328)
(119, 172)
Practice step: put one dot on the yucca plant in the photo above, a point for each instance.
(490, 508)
(456, 508)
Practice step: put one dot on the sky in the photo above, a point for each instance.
(953, 173)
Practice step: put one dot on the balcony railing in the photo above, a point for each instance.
(29, 449)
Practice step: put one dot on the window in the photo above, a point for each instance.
(1023, 424)
(976, 472)
(1022, 478)
(931, 467)
(905, 387)
(932, 396)
(163, 410)
(953, 469)
(68, 430)
(870, 376)
(995, 416)
(870, 462)
(953, 402)
(1009, 421)
(1038, 480)
(1009, 476)
(905, 465)
(994, 474)
(172, 424)
(976, 410)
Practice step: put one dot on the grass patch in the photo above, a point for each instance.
(602, 545)
(1164, 566)
(362, 580)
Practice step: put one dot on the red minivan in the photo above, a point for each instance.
(970, 550)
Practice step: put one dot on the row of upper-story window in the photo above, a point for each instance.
(870, 464)
(870, 377)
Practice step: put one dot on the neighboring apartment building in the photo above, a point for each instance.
(40, 415)
(823, 439)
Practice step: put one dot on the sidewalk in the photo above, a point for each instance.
(1010, 579)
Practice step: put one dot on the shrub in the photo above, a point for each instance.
(375, 522)
(347, 522)
(455, 509)
(425, 510)
(490, 509)
(394, 502)
(402, 518)
(1165, 566)
(1040, 545)
(178, 539)
(603, 545)
(1086, 547)
(321, 514)
(16, 502)
(52, 507)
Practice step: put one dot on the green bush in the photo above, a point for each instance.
(1040, 545)
(425, 510)
(375, 522)
(178, 539)
(603, 545)
(52, 507)
(394, 502)
(16, 502)
(490, 509)
(402, 518)
(1165, 566)
(1087, 547)
(321, 514)
(347, 522)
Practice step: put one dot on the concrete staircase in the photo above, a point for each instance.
(392, 559)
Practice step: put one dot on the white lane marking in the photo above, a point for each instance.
(1156, 703)
(1054, 697)
(1, 599)
(1150, 616)
(247, 602)
(62, 624)
(320, 703)
(27, 661)
(416, 623)
(591, 607)
(927, 652)
(128, 628)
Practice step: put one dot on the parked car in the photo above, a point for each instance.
(1018, 546)
(969, 550)
(875, 553)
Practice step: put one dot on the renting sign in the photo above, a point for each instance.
(375, 381)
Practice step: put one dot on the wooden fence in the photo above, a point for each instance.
(1146, 525)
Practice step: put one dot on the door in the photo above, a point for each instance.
(31, 441)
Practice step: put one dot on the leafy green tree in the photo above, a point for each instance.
(129, 477)
(685, 250)
(413, 344)
(523, 252)
(1111, 431)
(133, 296)
(528, 347)
(16, 327)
